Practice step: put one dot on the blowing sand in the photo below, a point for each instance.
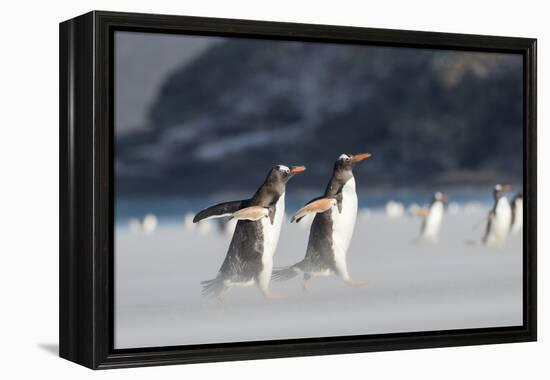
(411, 287)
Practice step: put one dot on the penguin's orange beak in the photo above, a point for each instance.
(360, 157)
(297, 169)
(506, 187)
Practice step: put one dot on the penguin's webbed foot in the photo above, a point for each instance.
(317, 206)
(269, 295)
(353, 282)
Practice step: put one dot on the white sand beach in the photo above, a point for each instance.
(411, 287)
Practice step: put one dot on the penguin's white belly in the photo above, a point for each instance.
(433, 222)
(343, 224)
(518, 216)
(270, 233)
(500, 224)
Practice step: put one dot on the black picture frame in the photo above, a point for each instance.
(86, 191)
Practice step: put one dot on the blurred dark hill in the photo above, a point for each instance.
(430, 118)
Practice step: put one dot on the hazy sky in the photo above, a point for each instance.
(142, 62)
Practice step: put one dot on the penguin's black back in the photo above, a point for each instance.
(319, 255)
(243, 261)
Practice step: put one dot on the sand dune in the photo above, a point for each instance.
(411, 287)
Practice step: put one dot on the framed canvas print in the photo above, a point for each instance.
(236, 189)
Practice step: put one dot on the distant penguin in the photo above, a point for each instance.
(332, 228)
(364, 214)
(517, 214)
(433, 216)
(472, 207)
(149, 223)
(249, 259)
(394, 210)
(499, 218)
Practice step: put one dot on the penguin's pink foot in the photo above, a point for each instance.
(306, 285)
(353, 282)
(269, 295)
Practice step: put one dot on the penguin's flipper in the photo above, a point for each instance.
(420, 212)
(319, 205)
(220, 210)
(251, 213)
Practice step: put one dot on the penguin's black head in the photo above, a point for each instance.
(499, 190)
(440, 197)
(346, 162)
(282, 173)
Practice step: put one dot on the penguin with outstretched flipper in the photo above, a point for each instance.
(249, 259)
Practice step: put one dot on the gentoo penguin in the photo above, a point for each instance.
(499, 218)
(249, 259)
(332, 227)
(433, 215)
(517, 214)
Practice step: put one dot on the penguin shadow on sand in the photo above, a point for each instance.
(499, 221)
(335, 214)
